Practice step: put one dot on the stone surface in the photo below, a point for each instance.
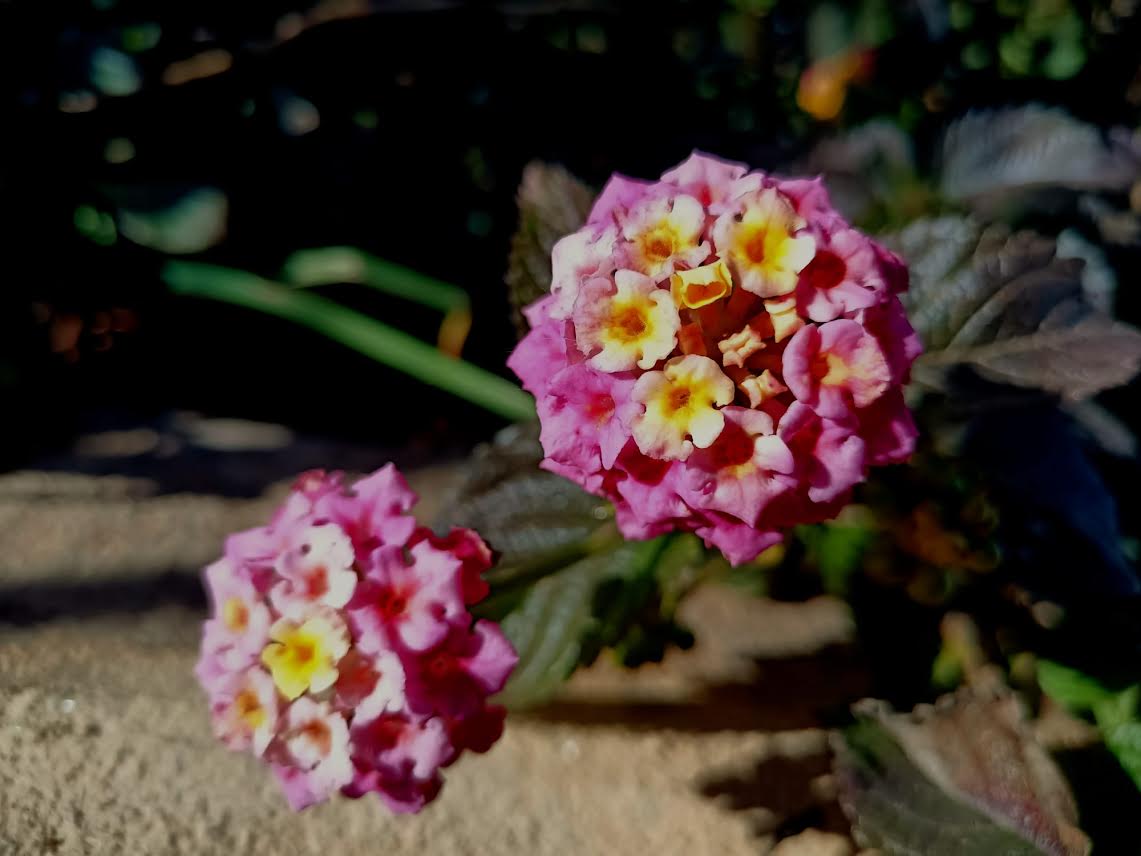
(105, 745)
(812, 842)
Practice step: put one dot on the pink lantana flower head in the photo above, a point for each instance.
(341, 649)
(722, 354)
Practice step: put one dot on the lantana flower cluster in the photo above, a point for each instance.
(720, 353)
(341, 650)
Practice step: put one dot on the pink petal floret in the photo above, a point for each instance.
(793, 318)
(340, 648)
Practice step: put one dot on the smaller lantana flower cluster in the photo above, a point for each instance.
(341, 651)
(720, 353)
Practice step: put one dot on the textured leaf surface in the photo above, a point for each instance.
(565, 585)
(962, 777)
(548, 628)
(552, 204)
(1007, 306)
(521, 511)
(989, 155)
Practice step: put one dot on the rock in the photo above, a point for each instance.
(105, 746)
(812, 842)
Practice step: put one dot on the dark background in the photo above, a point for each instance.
(426, 114)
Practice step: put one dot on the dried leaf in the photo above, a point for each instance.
(1007, 306)
(552, 204)
(965, 776)
(1095, 354)
(988, 156)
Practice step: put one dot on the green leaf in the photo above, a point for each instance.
(551, 622)
(114, 73)
(1074, 689)
(1124, 741)
(328, 265)
(870, 171)
(1118, 720)
(829, 32)
(964, 776)
(530, 517)
(837, 550)
(566, 586)
(552, 204)
(382, 343)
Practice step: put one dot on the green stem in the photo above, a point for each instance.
(363, 334)
(327, 265)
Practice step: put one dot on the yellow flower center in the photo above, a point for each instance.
(764, 248)
(302, 658)
(830, 370)
(678, 398)
(681, 401)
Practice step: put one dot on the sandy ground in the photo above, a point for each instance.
(105, 745)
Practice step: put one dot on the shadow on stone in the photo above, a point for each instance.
(27, 605)
(807, 691)
(788, 795)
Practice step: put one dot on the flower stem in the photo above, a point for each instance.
(365, 335)
(328, 265)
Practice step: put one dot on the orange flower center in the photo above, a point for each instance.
(235, 615)
(249, 709)
(755, 247)
(317, 733)
(679, 398)
(629, 323)
(659, 245)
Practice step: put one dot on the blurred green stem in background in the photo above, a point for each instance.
(330, 265)
(363, 334)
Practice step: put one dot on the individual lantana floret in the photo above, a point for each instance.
(246, 711)
(303, 657)
(341, 648)
(662, 234)
(836, 368)
(681, 407)
(764, 242)
(843, 276)
(576, 258)
(625, 323)
(735, 364)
